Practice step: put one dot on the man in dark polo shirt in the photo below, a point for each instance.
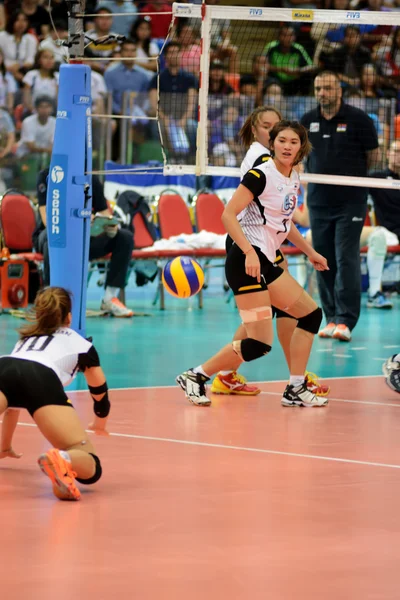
(344, 142)
(176, 105)
(114, 240)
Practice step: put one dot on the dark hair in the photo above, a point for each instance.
(38, 57)
(127, 42)
(246, 132)
(171, 45)
(328, 74)
(13, 19)
(42, 99)
(3, 70)
(50, 311)
(301, 131)
(247, 79)
(102, 9)
(134, 36)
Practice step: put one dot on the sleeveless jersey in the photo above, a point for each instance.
(59, 351)
(266, 220)
(256, 155)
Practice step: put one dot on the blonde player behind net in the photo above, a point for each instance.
(265, 201)
(46, 358)
(254, 136)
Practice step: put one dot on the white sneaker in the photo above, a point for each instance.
(301, 396)
(391, 371)
(327, 331)
(342, 333)
(193, 384)
(115, 308)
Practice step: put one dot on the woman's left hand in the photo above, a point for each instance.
(318, 261)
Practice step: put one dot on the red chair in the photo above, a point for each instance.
(208, 212)
(173, 215)
(142, 237)
(17, 223)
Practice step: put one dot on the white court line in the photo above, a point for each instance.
(245, 449)
(167, 387)
(345, 400)
(343, 355)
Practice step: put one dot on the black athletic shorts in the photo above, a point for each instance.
(30, 385)
(279, 256)
(237, 278)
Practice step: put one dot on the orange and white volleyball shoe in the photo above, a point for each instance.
(314, 385)
(60, 473)
(233, 384)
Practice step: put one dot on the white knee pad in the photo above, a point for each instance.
(377, 243)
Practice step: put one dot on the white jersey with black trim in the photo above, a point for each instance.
(59, 351)
(255, 156)
(267, 219)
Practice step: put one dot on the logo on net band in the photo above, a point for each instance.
(57, 174)
(255, 12)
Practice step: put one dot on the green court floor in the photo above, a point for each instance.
(151, 351)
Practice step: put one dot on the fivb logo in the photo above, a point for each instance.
(353, 15)
(255, 12)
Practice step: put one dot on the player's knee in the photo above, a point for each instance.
(97, 474)
(377, 245)
(250, 349)
(311, 322)
(281, 314)
(125, 238)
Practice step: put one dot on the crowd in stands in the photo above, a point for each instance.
(275, 64)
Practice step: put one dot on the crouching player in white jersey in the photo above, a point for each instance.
(254, 136)
(265, 201)
(46, 358)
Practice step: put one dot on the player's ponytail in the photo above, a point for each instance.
(246, 133)
(50, 311)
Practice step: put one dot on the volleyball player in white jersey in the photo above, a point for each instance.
(266, 200)
(254, 136)
(46, 358)
(391, 371)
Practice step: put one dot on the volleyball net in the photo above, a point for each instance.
(236, 58)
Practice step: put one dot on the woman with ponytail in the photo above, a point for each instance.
(45, 359)
(255, 138)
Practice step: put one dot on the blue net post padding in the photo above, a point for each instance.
(69, 190)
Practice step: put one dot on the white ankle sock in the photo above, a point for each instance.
(200, 369)
(296, 380)
(110, 293)
(224, 373)
(65, 455)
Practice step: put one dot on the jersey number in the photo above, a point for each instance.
(37, 343)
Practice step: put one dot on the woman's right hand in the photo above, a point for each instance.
(252, 265)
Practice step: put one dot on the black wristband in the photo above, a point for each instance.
(100, 389)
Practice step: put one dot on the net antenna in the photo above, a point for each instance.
(252, 30)
(76, 34)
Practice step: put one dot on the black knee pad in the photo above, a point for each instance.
(97, 474)
(252, 349)
(311, 322)
(281, 314)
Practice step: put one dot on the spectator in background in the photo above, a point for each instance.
(49, 42)
(18, 46)
(42, 80)
(38, 17)
(114, 240)
(273, 96)
(59, 10)
(344, 142)
(126, 76)
(160, 22)
(260, 70)
(190, 50)
(348, 60)
(8, 87)
(218, 89)
(37, 133)
(146, 50)
(7, 141)
(121, 24)
(178, 91)
(225, 130)
(103, 47)
(289, 62)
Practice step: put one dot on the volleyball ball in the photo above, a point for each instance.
(183, 277)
